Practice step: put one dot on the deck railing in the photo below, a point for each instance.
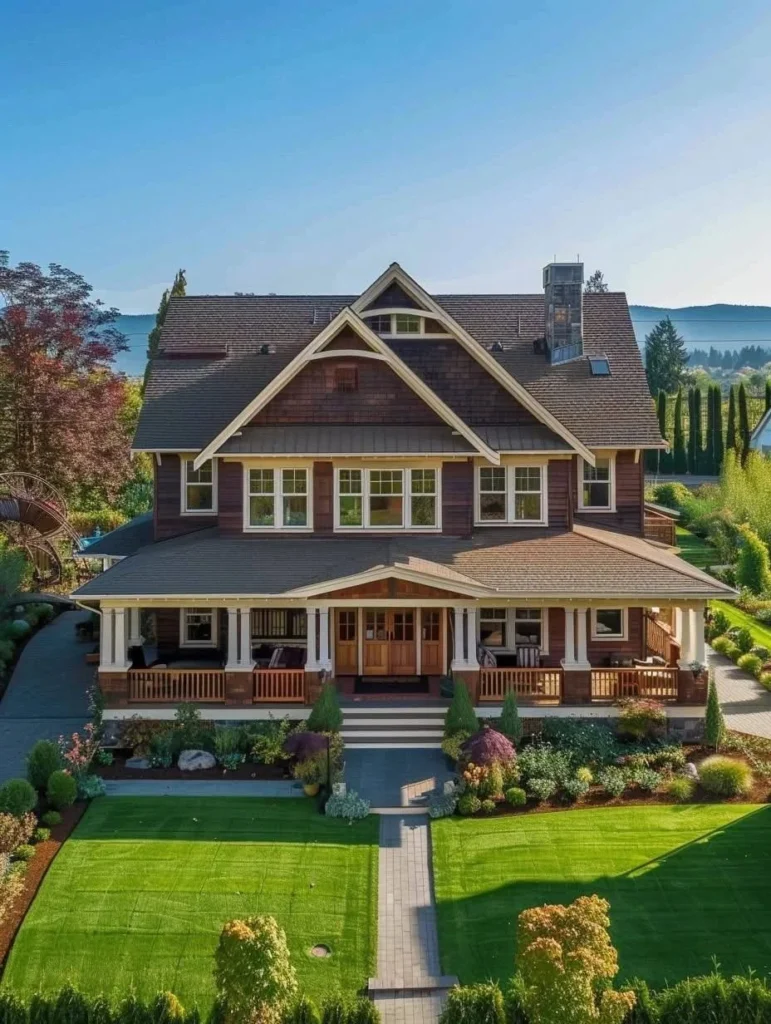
(659, 641)
(282, 685)
(612, 683)
(660, 528)
(538, 685)
(170, 686)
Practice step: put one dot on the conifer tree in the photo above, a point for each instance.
(664, 457)
(714, 723)
(178, 288)
(665, 357)
(730, 438)
(692, 467)
(719, 441)
(698, 446)
(744, 433)
(709, 447)
(679, 454)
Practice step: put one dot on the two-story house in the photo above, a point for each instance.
(392, 487)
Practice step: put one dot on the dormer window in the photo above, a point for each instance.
(404, 323)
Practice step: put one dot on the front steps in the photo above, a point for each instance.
(393, 727)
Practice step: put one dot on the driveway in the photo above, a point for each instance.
(746, 704)
(47, 695)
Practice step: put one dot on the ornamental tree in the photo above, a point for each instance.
(253, 971)
(566, 964)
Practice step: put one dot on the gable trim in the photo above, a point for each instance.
(464, 586)
(482, 356)
(348, 317)
(761, 426)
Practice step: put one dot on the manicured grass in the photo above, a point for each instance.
(138, 895)
(695, 549)
(685, 883)
(760, 634)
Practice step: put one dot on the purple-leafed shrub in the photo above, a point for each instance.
(488, 746)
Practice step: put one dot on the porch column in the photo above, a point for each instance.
(471, 637)
(105, 640)
(245, 661)
(459, 658)
(134, 636)
(232, 663)
(686, 648)
(569, 661)
(677, 624)
(325, 661)
(120, 661)
(582, 657)
(312, 661)
(699, 645)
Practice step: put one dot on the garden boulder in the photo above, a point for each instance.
(196, 760)
(691, 771)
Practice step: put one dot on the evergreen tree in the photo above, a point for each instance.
(730, 438)
(665, 358)
(679, 454)
(179, 287)
(692, 427)
(510, 723)
(664, 457)
(709, 448)
(460, 716)
(744, 434)
(768, 394)
(719, 442)
(714, 723)
(596, 282)
(753, 567)
(698, 433)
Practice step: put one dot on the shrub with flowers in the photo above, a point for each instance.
(79, 750)
(474, 775)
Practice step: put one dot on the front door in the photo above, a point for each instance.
(389, 642)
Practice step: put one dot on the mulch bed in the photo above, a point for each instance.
(36, 871)
(118, 770)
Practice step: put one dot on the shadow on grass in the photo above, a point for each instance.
(671, 915)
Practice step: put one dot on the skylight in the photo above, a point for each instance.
(599, 366)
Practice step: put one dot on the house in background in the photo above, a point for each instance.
(391, 487)
(760, 439)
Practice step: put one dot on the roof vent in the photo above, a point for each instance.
(496, 347)
(564, 296)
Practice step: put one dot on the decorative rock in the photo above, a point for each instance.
(137, 763)
(196, 760)
(449, 787)
(691, 772)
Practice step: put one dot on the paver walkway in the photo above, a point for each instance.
(746, 704)
(48, 692)
(409, 987)
(395, 777)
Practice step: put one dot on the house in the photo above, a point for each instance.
(760, 439)
(391, 487)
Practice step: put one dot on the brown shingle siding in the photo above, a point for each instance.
(168, 518)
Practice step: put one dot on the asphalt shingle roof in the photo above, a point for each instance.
(377, 439)
(123, 540)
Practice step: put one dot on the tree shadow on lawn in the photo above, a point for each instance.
(671, 916)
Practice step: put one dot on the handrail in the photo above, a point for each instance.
(542, 685)
(171, 685)
(281, 685)
(656, 682)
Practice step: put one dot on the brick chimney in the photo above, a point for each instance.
(563, 285)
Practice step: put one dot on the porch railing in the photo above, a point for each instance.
(284, 685)
(539, 685)
(170, 686)
(660, 528)
(612, 683)
(659, 640)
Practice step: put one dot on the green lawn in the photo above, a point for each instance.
(138, 895)
(760, 634)
(685, 883)
(695, 549)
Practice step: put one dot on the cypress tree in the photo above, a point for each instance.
(730, 438)
(719, 442)
(664, 457)
(743, 438)
(714, 723)
(698, 449)
(709, 450)
(768, 393)
(679, 454)
(691, 432)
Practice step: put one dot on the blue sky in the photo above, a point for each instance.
(303, 146)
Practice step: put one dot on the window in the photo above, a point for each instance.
(599, 366)
(277, 499)
(198, 491)
(198, 627)
(609, 624)
(597, 486)
(380, 324)
(528, 626)
(279, 623)
(345, 378)
(346, 626)
(405, 323)
(397, 323)
(387, 499)
(511, 494)
(492, 627)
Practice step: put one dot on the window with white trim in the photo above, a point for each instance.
(387, 499)
(277, 499)
(396, 323)
(198, 627)
(509, 628)
(609, 624)
(492, 627)
(511, 494)
(199, 493)
(597, 486)
(528, 626)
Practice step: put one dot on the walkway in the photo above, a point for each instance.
(746, 704)
(395, 778)
(47, 695)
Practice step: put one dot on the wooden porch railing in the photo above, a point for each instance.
(539, 685)
(282, 685)
(659, 641)
(660, 528)
(612, 683)
(170, 686)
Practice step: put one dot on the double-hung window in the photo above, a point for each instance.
(199, 494)
(597, 486)
(387, 499)
(198, 627)
(509, 628)
(277, 499)
(511, 494)
(609, 624)
(492, 627)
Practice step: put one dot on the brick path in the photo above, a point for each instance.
(409, 987)
(746, 704)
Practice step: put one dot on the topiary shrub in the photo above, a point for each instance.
(43, 759)
(722, 776)
(469, 803)
(474, 1004)
(516, 797)
(541, 789)
(750, 663)
(326, 714)
(680, 788)
(62, 790)
(714, 723)
(253, 971)
(51, 818)
(17, 797)
(510, 724)
(460, 716)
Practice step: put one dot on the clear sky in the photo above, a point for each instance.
(302, 146)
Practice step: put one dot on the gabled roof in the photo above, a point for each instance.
(761, 425)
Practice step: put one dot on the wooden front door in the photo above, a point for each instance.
(432, 641)
(346, 642)
(389, 642)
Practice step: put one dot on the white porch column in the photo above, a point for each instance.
(458, 659)
(471, 637)
(245, 662)
(120, 661)
(134, 636)
(105, 640)
(312, 661)
(686, 646)
(699, 645)
(677, 624)
(569, 661)
(325, 662)
(232, 663)
(582, 657)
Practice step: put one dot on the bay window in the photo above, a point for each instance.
(199, 495)
(277, 499)
(387, 499)
(596, 492)
(511, 495)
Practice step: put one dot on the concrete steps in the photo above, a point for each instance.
(393, 727)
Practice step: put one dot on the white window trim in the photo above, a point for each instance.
(511, 630)
(611, 490)
(611, 637)
(183, 640)
(184, 461)
(510, 469)
(407, 526)
(278, 480)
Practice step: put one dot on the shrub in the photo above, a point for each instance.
(510, 723)
(732, 651)
(492, 784)
(41, 835)
(62, 789)
(460, 715)
(15, 831)
(753, 568)
(474, 1004)
(334, 1010)
(714, 723)
(641, 718)
(672, 495)
(613, 780)
(51, 818)
(104, 757)
(452, 746)
(764, 616)
(488, 747)
(712, 998)
(253, 970)
(303, 744)
(12, 1009)
(585, 775)
(442, 805)
(17, 797)
(543, 761)
(765, 679)
(363, 1011)
(719, 623)
(352, 807)
(541, 789)
(574, 789)
(268, 746)
(680, 788)
(312, 771)
(11, 887)
(723, 776)
(567, 962)
(90, 786)
(24, 852)
(488, 806)
(744, 640)
(303, 1011)
(326, 714)
(750, 663)
(43, 759)
(721, 644)
(646, 778)
(469, 803)
(588, 742)
(516, 797)
(161, 750)
(761, 652)
(190, 732)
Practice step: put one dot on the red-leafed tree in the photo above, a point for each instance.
(60, 400)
